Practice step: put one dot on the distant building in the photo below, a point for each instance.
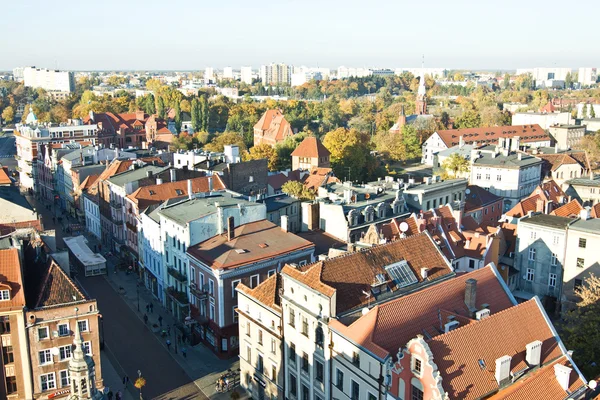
(227, 73)
(543, 119)
(563, 165)
(346, 72)
(587, 76)
(567, 136)
(272, 128)
(310, 153)
(209, 75)
(49, 80)
(434, 193)
(585, 188)
(18, 74)
(276, 74)
(545, 198)
(246, 75)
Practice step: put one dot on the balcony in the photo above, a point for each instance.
(177, 275)
(116, 205)
(180, 297)
(116, 220)
(201, 292)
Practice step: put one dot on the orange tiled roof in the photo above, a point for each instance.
(555, 161)
(274, 126)
(252, 242)
(4, 179)
(542, 383)
(152, 194)
(548, 191)
(389, 326)
(88, 181)
(10, 278)
(527, 133)
(571, 209)
(549, 108)
(596, 210)
(58, 288)
(128, 121)
(352, 274)
(267, 292)
(319, 177)
(311, 147)
(503, 333)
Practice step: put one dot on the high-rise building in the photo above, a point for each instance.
(246, 75)
(209, 75)
(276, 74)
(50, 80)
(227, 73)
(18, 74)
(587, 76)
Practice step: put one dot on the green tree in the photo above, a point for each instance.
(196, 116)
(581, 327)
(506, 82)
(591, 111)
(8, 114)
(149, 104)
(456, 165)
(569, 81)
(205, 113)
(411, 142)
(262, 151)
(468, 119)
(183, 141)
(177, 119)
(298, 190)
(217, 144)
(160, 107)
(153, 84)
(445, 119)
(350, 154)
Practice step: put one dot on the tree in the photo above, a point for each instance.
(591, 111)
(160, 107)
(153, 84)
(468, 119)
(591, 145)
(506, 82)
(8, 114)
(204, 113)
(196, 116)
(569, 81)
(458, 77)
(581, 327)
(298, 190)
(263, 151)
(177, 111)
(218, 143)
(411, 142)
(445, 119)
(456, 165)
(350, 154)
(183, 141)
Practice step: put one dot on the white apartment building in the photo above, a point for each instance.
(545, 120)
(435, 73)
(276, 74)
(543, 74)
(18, 74)
(347, 72)
(246, 75)
(50, 80)
(92, 214)
(587, 76)
(209, 75)
(228, 73)
(505, 173)
(150, 251)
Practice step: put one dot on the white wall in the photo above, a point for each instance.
(543, 120)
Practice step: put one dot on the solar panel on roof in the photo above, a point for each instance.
(401, 273)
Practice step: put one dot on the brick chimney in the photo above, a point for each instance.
(471, 294)
(539, 205)
(230, 228)
(139, 115)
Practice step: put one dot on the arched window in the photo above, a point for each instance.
(319, 336)
(416, 389)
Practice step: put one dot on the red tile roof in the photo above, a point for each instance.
(554, 161)
(526, 133)
(4, 179)
(252, 242)
(388, 327)
(127, 121)
(548, 108)
(58, 288)
(596, 210)
(352, 274)
(319, 177)
(478, 197)
(571, 209)
(548, 191)
(457, 353)
(11, 278)
(267, 292)
(273, 126)
(311, 147)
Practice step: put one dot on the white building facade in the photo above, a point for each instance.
(587, 76)
(545, 120)
(50, 80)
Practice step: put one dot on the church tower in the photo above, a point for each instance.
(82, 372)
(422, 96)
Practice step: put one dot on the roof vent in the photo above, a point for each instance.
(563, 375)
(450, 326)
(263, 245)
(502, 369)
(482, 314)
(424, 273)
(533, 353)
(241, 251)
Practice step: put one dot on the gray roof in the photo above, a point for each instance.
(464, 151)
(276, 202)
(182, 210)
(14, 206)
(509, 161)
(550, 221)
(135, 174)
(585, 181)
(590, 226)
(434, 186)
(74, 155)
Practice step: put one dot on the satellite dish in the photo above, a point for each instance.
(403, 226)
(416, 198)
(467, 191)
(365, 311)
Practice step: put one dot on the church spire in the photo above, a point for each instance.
(422, 92)
(81, 370)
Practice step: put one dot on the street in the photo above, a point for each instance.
(8, 151)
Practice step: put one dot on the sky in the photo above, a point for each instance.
(193, 34)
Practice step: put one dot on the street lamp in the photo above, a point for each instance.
(140, 382)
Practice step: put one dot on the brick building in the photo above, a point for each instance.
(310, 153)
(272, 128)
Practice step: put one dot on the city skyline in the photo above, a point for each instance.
(316, 34)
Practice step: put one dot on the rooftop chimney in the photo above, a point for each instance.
(539, 205)
(502, 369)
(173, 173)
(284, 223)
(563, 375)
(159, 181)
(190, 193)
(461, 141)
(149, 174)
(210, 184)
(230, 229)
(471, 294)
(533, 353)
(424, 272)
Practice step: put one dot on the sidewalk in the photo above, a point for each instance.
(113, 379)
(201, 365)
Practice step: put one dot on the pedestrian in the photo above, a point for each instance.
(147, 308)
(110, 395)
(146, 319)
(184, 352)
(169, 330)
(119, 395)
(160, 320)
(168, 344)
(151, 307)
(125, 381)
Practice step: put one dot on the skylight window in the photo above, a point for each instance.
(179, 192)
(152, 192)
(401, 273)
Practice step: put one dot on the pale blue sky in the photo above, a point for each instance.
(192, 34)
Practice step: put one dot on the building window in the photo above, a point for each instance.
(249, 354)
(274, 373)
(356, 359)
(273, 346)
(553, 260)
(43, 333)
(532, 254)
(65, 352)
(355, 391)
(48, 381)
(211, 287)
(319, 336)
(293, 353)
(271, 272)
(8, 355)
(487, 177)
(416, 393)
(339, 380)
(582, 243)
(65, 379)
(87, 348)
(83, 325)
(45, 357)
(555, 239)
(530, 275)
(11, 384)
(580, 262)
(416, 366)
(293, 386)
(259, 363)
(305, 326)
(4, 325)
(552, 280)
(211, 310)
(305, 362)
(292, 317)
(233, 285)
(478, 176)
(533, 234)
(472, 264)
(371, 396)
(260, 337)
(63, 330)
(254, 279)
(4, 294)
(235, 315)
(319, 371)
(248, 328)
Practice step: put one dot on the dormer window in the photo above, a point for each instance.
(4, 294)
